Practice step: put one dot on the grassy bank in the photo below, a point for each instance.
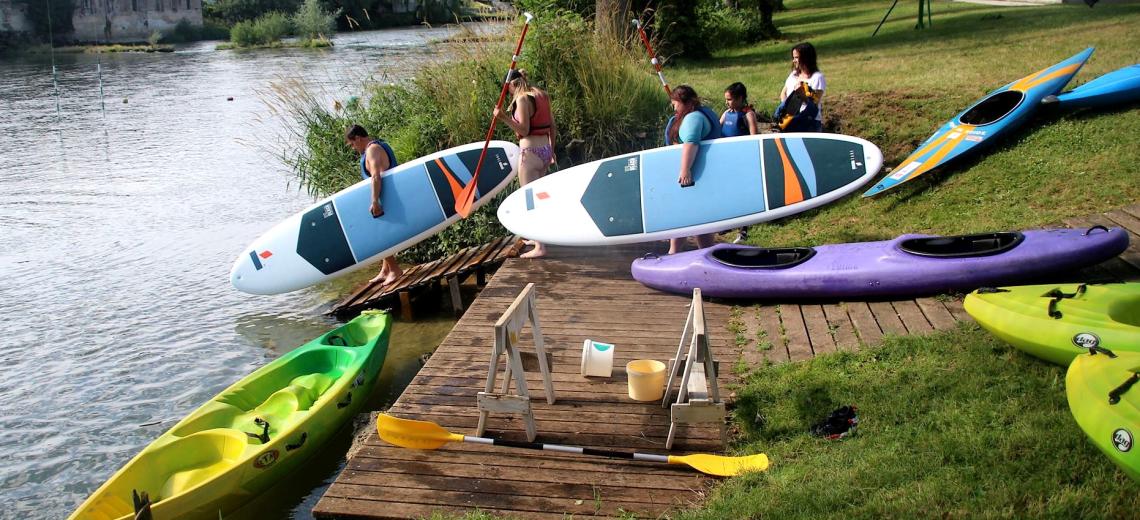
(895, 89)
(955, 424)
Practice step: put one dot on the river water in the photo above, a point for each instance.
(120, 216)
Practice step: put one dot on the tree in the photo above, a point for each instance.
(50, 17)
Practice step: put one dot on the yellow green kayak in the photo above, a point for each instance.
(1058, 322)
(1106, 404)
(255, 432)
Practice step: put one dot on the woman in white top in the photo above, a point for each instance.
(805, 70)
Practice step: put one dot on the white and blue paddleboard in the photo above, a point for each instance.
(737, 181)
(338, 235)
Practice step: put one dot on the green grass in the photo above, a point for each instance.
(954, 424)
(895, 89)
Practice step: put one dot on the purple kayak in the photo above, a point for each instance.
(909, 265)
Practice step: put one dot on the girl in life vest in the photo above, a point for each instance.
(738, 118)
(532, 121)
(804, 70)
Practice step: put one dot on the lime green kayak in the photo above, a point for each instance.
(1106, 405)
(255, 432)
(1058, 322)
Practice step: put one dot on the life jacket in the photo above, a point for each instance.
(541, 119)
(714, 125)
(798, 112)
(363, 158)
(736, 123)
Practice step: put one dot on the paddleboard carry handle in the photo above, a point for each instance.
(1090, 230)
(1114, 395)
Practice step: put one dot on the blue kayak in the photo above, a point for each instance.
(1118, 87)
(994, 115)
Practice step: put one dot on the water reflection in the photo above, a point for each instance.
(119, 220)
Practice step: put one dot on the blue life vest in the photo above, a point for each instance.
(735, 123)
(714, 125)
(387, 149)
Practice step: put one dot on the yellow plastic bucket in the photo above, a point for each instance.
(646, 379)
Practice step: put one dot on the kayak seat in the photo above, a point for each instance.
(214, 415)
(298, 396)
(194, 459)
(993, 108)
(1125, 311)
(257, 391)
(763, 257)
(962, 246)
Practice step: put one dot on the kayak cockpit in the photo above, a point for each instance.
(961, 246)
(993, 108)
(763, 258)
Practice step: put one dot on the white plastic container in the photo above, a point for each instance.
(597, 359)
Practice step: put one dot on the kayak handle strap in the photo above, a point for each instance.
(1114, 395)
(1057, 295)
(264, 435)
(991, 290)
(1098, 226)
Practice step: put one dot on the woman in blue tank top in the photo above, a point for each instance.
(694, 127)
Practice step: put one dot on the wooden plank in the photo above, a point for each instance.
(866, 327)
(887, 318)
(936, 313)
(912, 317)
(819, 332)
(954, 306)
(840, 324)
(792, 320)
(1130, 223)
(770, 323)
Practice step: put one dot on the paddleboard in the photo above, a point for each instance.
(1119, 87)
(338, 235)
(737, 181)
(990, 117)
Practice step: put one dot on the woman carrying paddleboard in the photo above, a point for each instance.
(533, 122)
(804, 71)
(696, 126)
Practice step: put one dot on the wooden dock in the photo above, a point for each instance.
(589, 293)
(451, 271)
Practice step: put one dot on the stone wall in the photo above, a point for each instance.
(131, 20)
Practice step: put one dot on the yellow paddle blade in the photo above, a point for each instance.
(722, 466)
(418, 435)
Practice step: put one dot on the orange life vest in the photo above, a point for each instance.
(541, 120)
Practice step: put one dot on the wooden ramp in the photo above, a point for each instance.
(589, 293)
(452, 271)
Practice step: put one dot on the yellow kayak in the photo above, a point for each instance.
(1106, 405)
(254, 433)
(1058, 322)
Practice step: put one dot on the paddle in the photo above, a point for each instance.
(423, 435)
(652, 56)
(466, 198)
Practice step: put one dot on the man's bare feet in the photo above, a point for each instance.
(538, 252)
(378, 278)
(392, 277)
